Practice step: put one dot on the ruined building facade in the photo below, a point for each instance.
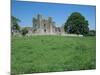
(45, 26)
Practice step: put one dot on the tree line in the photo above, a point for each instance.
(75, 24)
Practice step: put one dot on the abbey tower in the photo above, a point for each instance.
(45, 26)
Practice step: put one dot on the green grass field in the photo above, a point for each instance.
(52, 53)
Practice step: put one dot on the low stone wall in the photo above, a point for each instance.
(58, 34)
(71, 35)
(63, 34)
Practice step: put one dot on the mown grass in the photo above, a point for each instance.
(52, 53)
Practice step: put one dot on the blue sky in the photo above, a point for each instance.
(25, 11)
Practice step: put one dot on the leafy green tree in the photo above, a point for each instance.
(14, 23)
(24, 31)
(76, 24)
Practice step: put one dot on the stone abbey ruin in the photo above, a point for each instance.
(44, 26)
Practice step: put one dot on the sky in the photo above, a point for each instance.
(25, 11)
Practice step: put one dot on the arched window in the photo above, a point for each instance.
(44, 30)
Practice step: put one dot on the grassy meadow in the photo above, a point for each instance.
(52, 53)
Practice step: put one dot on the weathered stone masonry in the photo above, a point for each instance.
(45, 26)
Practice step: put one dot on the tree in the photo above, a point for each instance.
(92, 33)
(76, 24)
(24, 31)
(14, 23)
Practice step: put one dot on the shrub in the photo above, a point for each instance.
(24, 31)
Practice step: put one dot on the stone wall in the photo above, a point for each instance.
(44, 26)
